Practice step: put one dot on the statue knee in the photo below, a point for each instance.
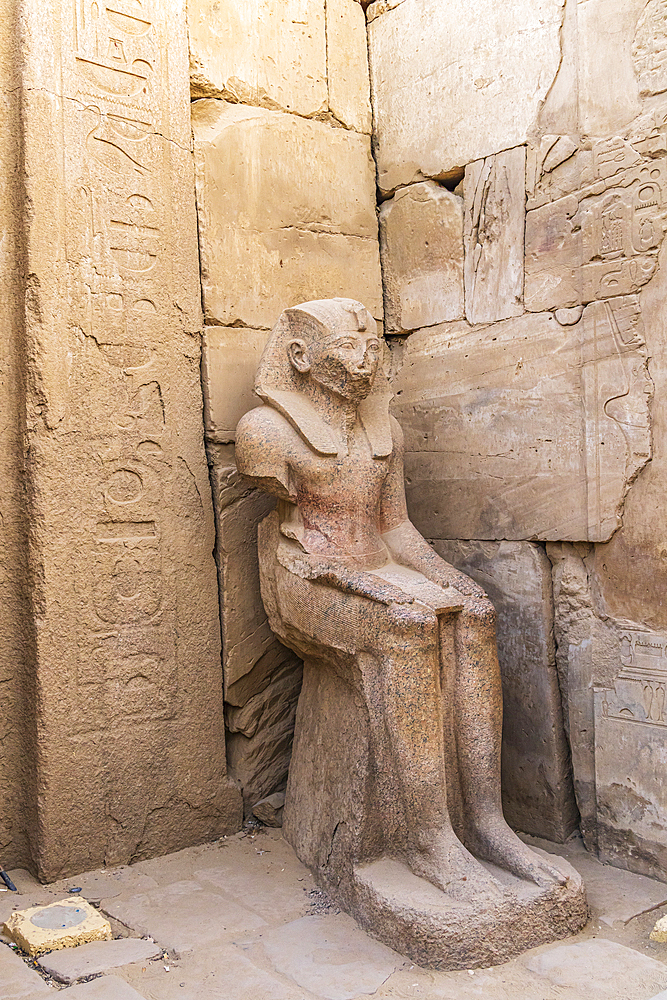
(413, 622)
(479, 612)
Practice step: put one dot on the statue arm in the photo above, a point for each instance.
(406, 545)
(261, 452)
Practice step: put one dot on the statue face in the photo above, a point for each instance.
(344, 363)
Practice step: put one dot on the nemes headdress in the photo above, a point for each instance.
(279, 384)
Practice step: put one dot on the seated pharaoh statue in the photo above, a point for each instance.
(394, 798)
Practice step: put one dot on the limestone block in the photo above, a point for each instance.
(532, 428)
(230, 357)
(586, 98)
(445, 95)
(262, 678)
(421, 244)
(495, 198)
(64, 924)
(99, 956)
(126, 630)
(270, 53)
(598, 217)
(538, 797)
(347, 65)
(287, 213)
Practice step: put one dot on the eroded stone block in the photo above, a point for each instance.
(599, 219)
(421, 243)
(99, 956)
(287, 213)
(126, 636)
(347, 64)
(445, 95)
(494, 191)
(270, 53)
(538, 797)
(532, 428)
(229, 361)
(64, 924)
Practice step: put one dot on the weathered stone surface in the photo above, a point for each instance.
(100, 956)
(494, 193)
(659, 932)
(613, 963)
(330, 956)
(585, 97)
(229, 361)
(16, 793)
(182, 915)
(538, 797)
(445, 95)
(531, 428)
(347, 64)
(127, 641)
(598, 216)
(262, 677)
(63, 924)
(421, 244)
(270, 810)
(17, 980)
(104, 988)
(287, 211)
(271, 53)
(260, 733)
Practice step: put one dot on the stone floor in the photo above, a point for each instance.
(240, 919)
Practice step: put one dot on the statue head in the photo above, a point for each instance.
(333, 343)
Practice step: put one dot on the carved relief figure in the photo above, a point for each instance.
(380, 620)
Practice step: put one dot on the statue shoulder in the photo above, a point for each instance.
(264, 440)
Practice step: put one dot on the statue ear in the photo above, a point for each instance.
(297, 352)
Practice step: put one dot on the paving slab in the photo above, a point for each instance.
(182, 916)
(212, 974)
(597, 968)
(17, 979)
(105, 883)
(613, 894)
(330, 956)
(104, 988)
(89, 959)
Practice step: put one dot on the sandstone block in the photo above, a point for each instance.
(287, 213)
(99, 956)
(271, 54)
(538, 797)
(659, 932)
(421, 244)
(104, 988)
(347, 65)
(126, 630)
(445, 95)
(494, 192)
(18, 979)
(270, 809)
(64, 924)
(230, 357)
(532, 428)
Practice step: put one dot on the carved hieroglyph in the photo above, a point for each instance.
(130, 708)
(396, 762)
(630, 728)
(530, 428)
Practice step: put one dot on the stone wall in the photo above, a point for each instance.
(287, 212)
(524, 188)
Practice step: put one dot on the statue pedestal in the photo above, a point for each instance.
(334, 813)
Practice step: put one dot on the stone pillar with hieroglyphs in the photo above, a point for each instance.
(129, 691)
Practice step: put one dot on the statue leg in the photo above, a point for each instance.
(405, 700)
(479, 714)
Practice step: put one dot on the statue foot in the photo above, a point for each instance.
(441, 859)
(494, 841)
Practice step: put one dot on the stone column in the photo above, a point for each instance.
(131, 754)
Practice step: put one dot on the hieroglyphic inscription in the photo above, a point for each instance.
(119, 268)
(597, 216)
(639, 694)
(649, 50)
